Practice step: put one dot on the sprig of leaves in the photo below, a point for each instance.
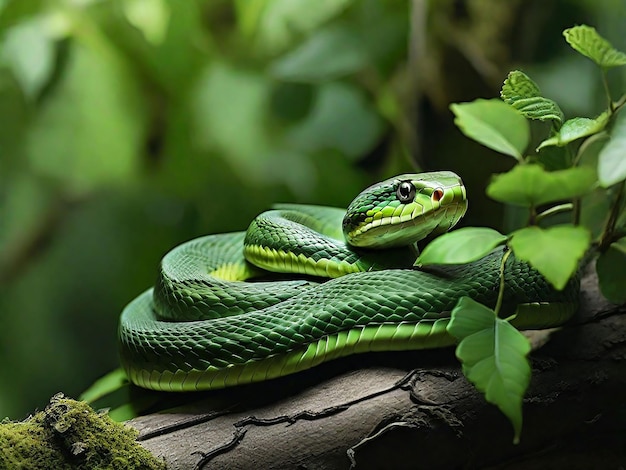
(494, 357)
(492, 351)
(523, 94)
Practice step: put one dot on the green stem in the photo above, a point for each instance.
(619, 103)
(605, 84)
(501, 290)
(554, 210)
(587, 143)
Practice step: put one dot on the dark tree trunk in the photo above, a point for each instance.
(416, 410)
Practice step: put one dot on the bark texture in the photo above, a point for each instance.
(416, 410)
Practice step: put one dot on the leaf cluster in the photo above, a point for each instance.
(492, 351)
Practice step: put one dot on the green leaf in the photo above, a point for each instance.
(523, 94)
(531, 185)
(90, 132)
(28, 50)
(611, 272)
(276, 24)
(328, 54)
(341, 119)
(494, 124)
(555, 252)
(114, 392)
(494, 357)
(12, 13)
(612, 158)
(576, 128)
(231, 109)
(518, 85)
(595, 205)
(539, 108)
(105, 385)
(151, 17)
(589, 43)
(461, 246)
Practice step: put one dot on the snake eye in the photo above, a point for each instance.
(405, 192)
(437, 194)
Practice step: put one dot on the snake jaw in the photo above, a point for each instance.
(381, 216)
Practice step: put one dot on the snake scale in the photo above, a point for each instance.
(307, 284)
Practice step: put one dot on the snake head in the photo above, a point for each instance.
(404, 209)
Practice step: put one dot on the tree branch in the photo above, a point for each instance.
(398, 410)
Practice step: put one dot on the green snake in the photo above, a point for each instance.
(217, 316)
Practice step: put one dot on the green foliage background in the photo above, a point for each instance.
(129, 126)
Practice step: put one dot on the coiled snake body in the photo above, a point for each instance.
(202, 327)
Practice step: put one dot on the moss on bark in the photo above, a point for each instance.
(68, 434)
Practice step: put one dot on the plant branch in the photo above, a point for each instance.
(619, 103)
(554, 210)
(605, 84)
(501, 290)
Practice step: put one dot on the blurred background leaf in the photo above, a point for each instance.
(130, 126)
